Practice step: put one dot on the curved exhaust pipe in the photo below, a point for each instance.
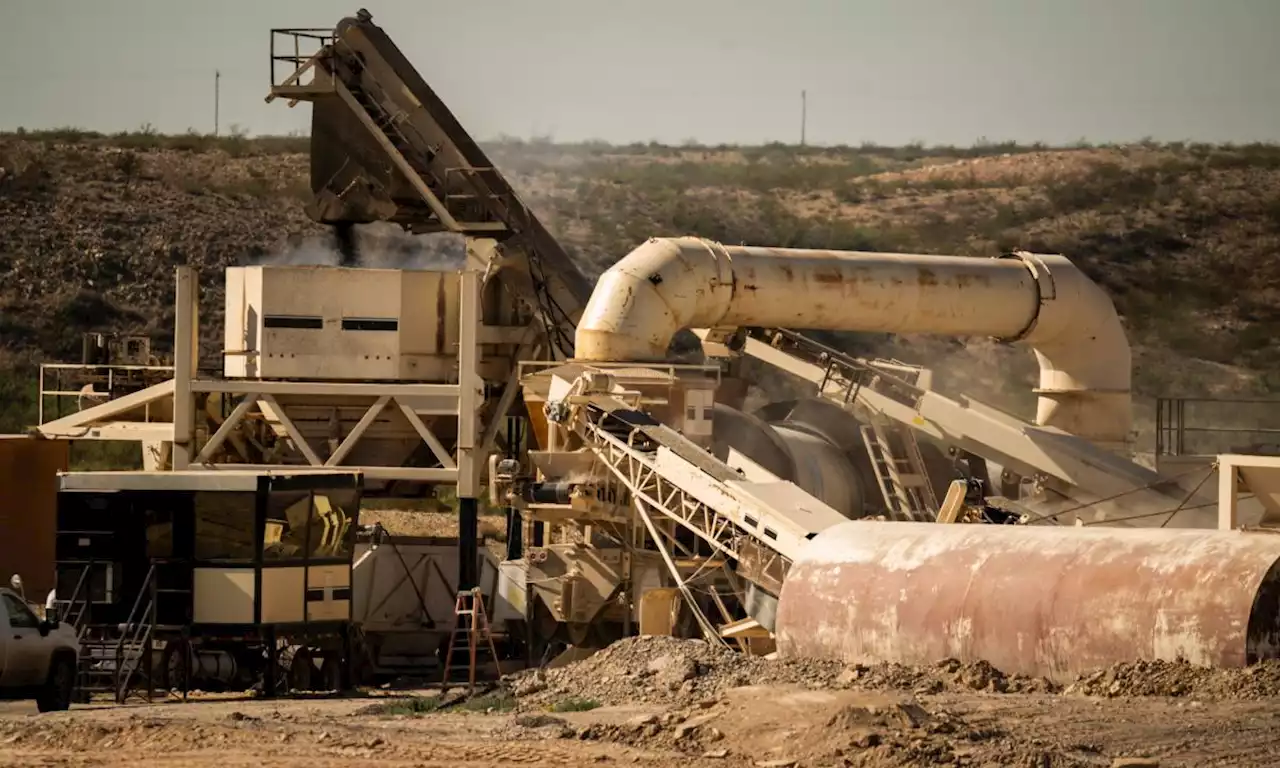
(1044, 301)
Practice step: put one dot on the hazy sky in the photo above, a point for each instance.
(890, 71)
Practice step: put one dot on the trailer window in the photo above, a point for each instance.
(285, 534)
(333, 525)
(159, 522)
(224, 525)
(20, 616)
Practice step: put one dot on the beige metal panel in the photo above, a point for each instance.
(223, 596)
(424, 304)
(236, 349)
(1259, 477)
(328, 610)
(331, 294)
(242, 478)
(429, 302)
(383, 594)
(283, 594)
(328, 578)
(510, 603)
(659, 611)
(669, 284)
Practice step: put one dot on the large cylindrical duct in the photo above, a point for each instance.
(669, 284)
(1051, 601)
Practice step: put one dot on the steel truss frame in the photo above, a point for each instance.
(636, 469)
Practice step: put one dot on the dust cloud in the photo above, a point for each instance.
(380, 245)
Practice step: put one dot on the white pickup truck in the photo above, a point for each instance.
(37, 656)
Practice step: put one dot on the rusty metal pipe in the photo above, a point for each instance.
(1050, 601)
(669, 284)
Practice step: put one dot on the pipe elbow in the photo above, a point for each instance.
(652, 293)
(1085, 361)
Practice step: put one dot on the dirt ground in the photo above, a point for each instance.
(657, 701)
(763, 726)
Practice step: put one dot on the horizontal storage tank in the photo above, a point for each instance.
(1048, 601)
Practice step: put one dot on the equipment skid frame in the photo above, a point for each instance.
(463, 400)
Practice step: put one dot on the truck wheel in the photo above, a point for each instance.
(58, 689)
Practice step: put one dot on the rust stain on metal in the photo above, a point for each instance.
(927, 277)
(828, 276)
(1037, 601)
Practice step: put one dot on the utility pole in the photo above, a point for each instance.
(804, 115)
(217, 86)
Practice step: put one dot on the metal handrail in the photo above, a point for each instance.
(78, 624)
(113, 374)
(1173, 424)
(317, 38)
(134, 632)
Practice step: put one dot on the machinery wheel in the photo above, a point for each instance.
(175, 666)
(362, 661)
(330, 676)
(299, 662)
(56, 694)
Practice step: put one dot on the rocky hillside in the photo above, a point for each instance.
(1182, 236)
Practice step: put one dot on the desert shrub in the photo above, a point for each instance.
(575, 704)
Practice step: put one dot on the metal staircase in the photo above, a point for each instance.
(118, 658)
(900, 472)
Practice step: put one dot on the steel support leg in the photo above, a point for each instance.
(468, 535)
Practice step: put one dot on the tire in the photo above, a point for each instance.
(58, 690)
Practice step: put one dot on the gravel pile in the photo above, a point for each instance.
(1168, 678)
(662, 670)
(946, 675)
(672, 671)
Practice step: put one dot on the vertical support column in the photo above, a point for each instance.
(470, 400)
(186, 355)
(468, 544)
(515, 524)
(1228, 494)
